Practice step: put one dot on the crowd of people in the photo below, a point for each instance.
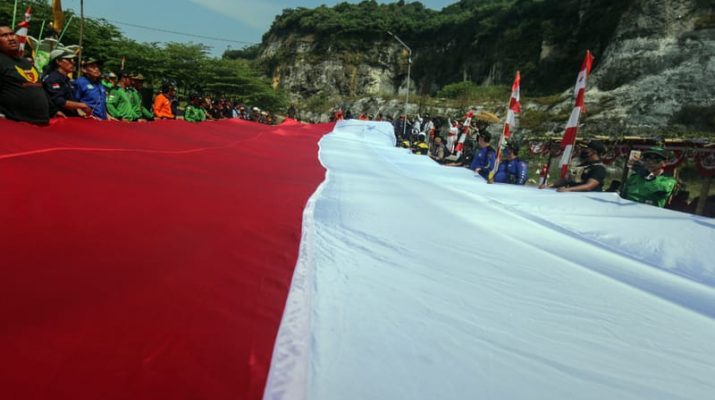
(29, 95)
(468, 144)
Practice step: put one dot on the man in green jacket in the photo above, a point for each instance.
(136, 98)
(648, 184)
(118, 103)
(193, 111)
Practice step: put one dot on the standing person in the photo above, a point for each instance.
(22, 97)
(588, 175)
(135, 97)
(452, 135)
(118, 104)
(162, 103)
(89, 89)
(58, 86)
(484, 160)
(647, 184)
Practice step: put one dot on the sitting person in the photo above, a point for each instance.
(58, 86)
(588, 175)
(419, 146)
(512, 170)
(484, 160)
(21, 95)
(438, 150)
(119, 104)
(647, 184)
(193, 111)
(89, 89)
(162, 103)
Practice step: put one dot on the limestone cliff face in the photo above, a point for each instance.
(304, 70)
(659, 69)
(654, 69)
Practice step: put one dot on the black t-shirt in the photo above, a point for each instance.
(590, 170)
(21, 94)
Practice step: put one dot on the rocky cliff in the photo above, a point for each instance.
(654, 70)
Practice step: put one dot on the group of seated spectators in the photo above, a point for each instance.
(27, 95)
(648, 182)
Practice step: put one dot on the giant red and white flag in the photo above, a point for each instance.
(569, 139)
(513, 108)
(233, 260)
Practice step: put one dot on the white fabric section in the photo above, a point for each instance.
(510, 119)
(580, 82)
(566, 156)
(573, 119)
(518, 294)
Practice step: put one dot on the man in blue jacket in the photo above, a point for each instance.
(484, 160)
(512, 170)
(89, 89)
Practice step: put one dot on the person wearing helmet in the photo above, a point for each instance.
(58, 86)
(648, 184)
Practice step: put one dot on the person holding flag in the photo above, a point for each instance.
(513, 108)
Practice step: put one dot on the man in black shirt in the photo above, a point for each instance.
(21, 94)
(589, 175)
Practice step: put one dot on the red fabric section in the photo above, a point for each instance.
(147, 261)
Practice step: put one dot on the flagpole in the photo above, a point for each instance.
(81, 37)
(42, 30)
(14, 15)
(67, 25)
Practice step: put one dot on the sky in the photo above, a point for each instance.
(243, 22)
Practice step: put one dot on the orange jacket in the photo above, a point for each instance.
(162, 107)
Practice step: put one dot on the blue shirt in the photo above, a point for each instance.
(485, 159)
(93, 94)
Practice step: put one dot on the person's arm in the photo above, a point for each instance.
(585, 187)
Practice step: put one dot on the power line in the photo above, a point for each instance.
(149, 28)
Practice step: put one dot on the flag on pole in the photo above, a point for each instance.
(22, 31)
(513, 109)
(569, 138)
(58, 15)
(459, 148)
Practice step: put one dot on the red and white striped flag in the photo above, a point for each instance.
(569, 138)
(22, 31)
(514, 108)
(459, 148)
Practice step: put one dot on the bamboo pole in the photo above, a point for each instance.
(81, 38)
(14, 14)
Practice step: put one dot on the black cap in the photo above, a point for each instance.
(597, 146)
(486, 136)
(513, 147)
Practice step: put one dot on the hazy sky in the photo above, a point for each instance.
(238, 20)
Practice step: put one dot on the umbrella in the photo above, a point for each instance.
(486, 116)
